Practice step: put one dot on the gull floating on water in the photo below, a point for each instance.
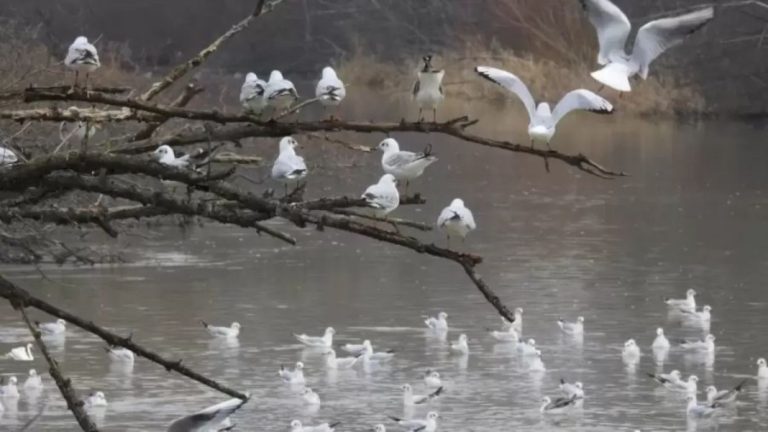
(762, 369)
(296, 426)
(671, 381)
(82, 57)
(707, 344)
(23, 353)
(686, 304)
(223, 332)
(209, 419)
(289, 167)
(543, 119)
(572, 391)
(9, 390)
(324, 341)
(631, 351)
(429, 424)
(428, 88)
(7, 157)
(310, 396)
(572, 328)
(460, 346)
(96, 399)
(252, 94)
(330, 90)
(508, 335)
(402, 164)
(33, 381)
(52, 328)
(556, 406)
(440, 323)
(279, 93)
(383, 196)
(432, 379)
(410, 399)
(359, 349)
(536, 364)
(379, 428)
(528, 347)
(120, 354)
(334, 362)
(661, 343)
(695, 409)
(655, 37)
(691, 386)
(165, 155)
(456, 220)
(292, 376)
(703, 316)
(724, 397)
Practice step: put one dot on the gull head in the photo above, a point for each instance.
(367, 343)
(32, 373)
(80, 40)
(546, 399)
(235, 325)
(379, 428)
(288, 143)
(406, 388)
(578, 385)
(457, 203)
(12, 380)
(710, 338)
(427, 59)
(462, 338)
(388, 179)
(251, 77)
(295, 424)
(61, 322)
(707, 308)
(330, 331)
(275, 75)
(299, 365)
(531, 342)
(434, 374)
(630, 343)
(432, 415)
(691, 293)
(544, 109)
(389, 145)
(538, 353)
(442, 315)
(693, 379)
(711, 390)
(328, 72)
(690, 398)
(163, 152)
(580, 320)
(660, 331)
(761, 362)
(518, 311)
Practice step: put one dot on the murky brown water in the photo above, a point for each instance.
(692, 215)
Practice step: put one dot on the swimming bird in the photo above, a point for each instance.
(330, 90)
(410, 399)
(379, 428)
(82, 57)
(208, 419)
(686, 304)
(296, 426)
(292, 376)
(252, 94)
(707, 344)
(724, 397)
(631, 351)
(460, 346)
(671, 381)
(9, 390)
(517, 324)
(96, 399)
(334, 362)
(429, 424)
(120, 354)
(383, 196)
(33, 381)
(762, 369)
(536, 364)
(572, 391)
(439, 323)
(661, 343)
(279, 93)
(691, 386)
(402, 164)
(52, 328)
(23, 353)
(7, 157)
(432, 379)
(324, 341)
(695, 409)
(310, 396)
(528, 347)
(508, 335)
(572, 328)
(703, 316)
(543, 119)
(165, 155)
(289, 167)
(428, 88)
(359, 349)
(556, 406)
(223, 332)
(456, 220)
(655, 37)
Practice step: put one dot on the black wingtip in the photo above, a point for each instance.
(205, 324)
(439, 391)
(393, 418)
(740, 385)
(562, 381)
(334, 424)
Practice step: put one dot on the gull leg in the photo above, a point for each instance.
(532, 143)
(434, 115)
(448, 241)
(600, 88)
(420, 118)
(286, 188)
(77, 75)
(405, 193)
(548, 147)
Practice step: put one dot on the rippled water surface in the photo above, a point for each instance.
(691, 215)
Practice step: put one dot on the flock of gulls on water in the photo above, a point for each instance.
(278, 93)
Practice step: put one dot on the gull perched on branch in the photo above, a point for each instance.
(383, 196)
(279, 92)
(82, 57)
(543, 120)
(7, 157)
(252, 94)
(330, 90)
(208, 419)
(404, 165)
(428, 88)
(456, 220)
(289, 167)
(165, 155)
(652, 40)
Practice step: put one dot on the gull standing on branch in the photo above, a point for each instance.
(23, 353)
(208, 419)
(223, 332)
(383, 196)
(165, 155)
(324, 341)
(279, 92)
(652, 40)
(52, 328)
(517, 324)
(82, 57)
(456, 220)
(289, 167)
(439, 323)
(543, 120)
(296, 426)
(252, 94)
(404, 165)
(330, 90)
(7, 157)
(428, 88)
(429, 424)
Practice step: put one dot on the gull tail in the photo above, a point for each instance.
(615, 76)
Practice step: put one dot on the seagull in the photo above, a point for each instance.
(119, 354)
(543, 119)
(324, 341)
(652, 40)
(379, 428)
(404, 165)
(252, 94)
(279, 92)
(95, 400)
(528, 347)
(7, 157)
(536, 364)
(410, 399)
(460, 346)
(9, 390)
(707, 344)
(517, 324)
(334, 362)
(428, 89)
(223, 332)
(703, 316)
(456, 220)
(52, 328)
(310, 397)
(211, 419)
(438, 324)
(289, 167)
(572, 328)
(686, 304)
(67, 131)
(432, 379)
(762, 369)
(359, 349)
(164, 154)
(631, 351)
(724, 397)
(23, 353)
(33, 381)
(695, 409)
(296, 426)
(555, 406)
(82, 57)
(383, 196)
(661, 343)
(330, 90)
(572, 391)
(295, 376)
(380, 356)
(691, 386)
(671, 381)
(508, 335)
(429, 424)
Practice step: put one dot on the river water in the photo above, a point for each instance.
(691, 215)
